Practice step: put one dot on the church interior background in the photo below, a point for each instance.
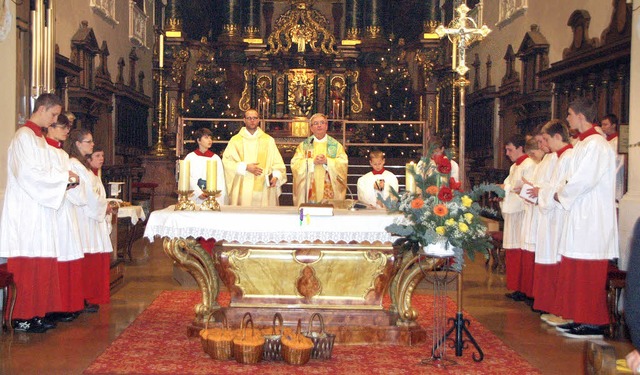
(144, 74)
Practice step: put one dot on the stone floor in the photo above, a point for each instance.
(71, 347)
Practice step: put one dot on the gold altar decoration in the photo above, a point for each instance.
(303, 26)
(210, 203)
(184, 203)
(300, 127)
(301, 93)
(339, 279)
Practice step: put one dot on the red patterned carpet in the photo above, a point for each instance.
(156, 343)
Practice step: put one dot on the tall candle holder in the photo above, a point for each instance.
(210, 203)
(184, 203)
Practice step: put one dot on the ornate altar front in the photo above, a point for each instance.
(270, 261)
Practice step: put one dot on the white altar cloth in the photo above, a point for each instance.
(270, 225)
(134, 212)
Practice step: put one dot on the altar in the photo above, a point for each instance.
(275, 260)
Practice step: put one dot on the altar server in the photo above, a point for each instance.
(198, 168)
(512, 207)
(377, 184)
(253, 167)
(35, 190)
(609, 124)
(551, 223)
(537, 150)
(591, 234)
(94, 227)
(69, 249)
(319, 166)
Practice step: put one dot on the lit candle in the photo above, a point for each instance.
(212, 175)
(183, 176)
(410, 181)
(341, 108)
(161, 52)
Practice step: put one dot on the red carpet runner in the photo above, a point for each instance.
(156, 343)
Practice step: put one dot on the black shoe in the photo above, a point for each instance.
(567, 327)
(585, 331)
(28, 326)
(60, 316)
(516, 296)
(47, 323)
(90, 307)
(529, 302)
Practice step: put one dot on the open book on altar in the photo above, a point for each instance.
(315, 209)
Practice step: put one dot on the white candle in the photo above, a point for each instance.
(183, 176)
(161, 52)
(212, 175)
(341, 108)
(410, 181)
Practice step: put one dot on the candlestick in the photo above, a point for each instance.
(184, 176)
(212, 175)
(410, 181)
(210, 203)
(184, 203)
(161, 52)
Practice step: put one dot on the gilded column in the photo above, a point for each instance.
(353, 20)
(374, 26)
(231, 12)
(432, 16)
(173, 21)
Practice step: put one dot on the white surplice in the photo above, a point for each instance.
(35, 190)
(512, 205)
(198, 171)
(92, 217)
(68, 243)
(541, 177)
(589, 196)
(367, 193)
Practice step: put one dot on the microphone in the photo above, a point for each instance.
(351, 196)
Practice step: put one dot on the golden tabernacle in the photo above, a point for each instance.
(274, 260)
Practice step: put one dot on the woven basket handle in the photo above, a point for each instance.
(244, 329)
(319, 319)
(245, 317)
(206, 324)
(277, 317)
(299, 331)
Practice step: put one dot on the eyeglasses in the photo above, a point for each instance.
(316, 123)
(90, 141)
(252, 118)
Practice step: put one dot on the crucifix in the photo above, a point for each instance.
(462, 31)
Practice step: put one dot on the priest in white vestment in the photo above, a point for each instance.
(319, 166)
(35, 190)
(253, 167)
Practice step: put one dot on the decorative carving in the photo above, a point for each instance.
(137, 25)
(180, 59)
(308, 284)
(510, 10)
(620, 24)
(579, 22)
(302, 25)
(106, 9)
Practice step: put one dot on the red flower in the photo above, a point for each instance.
(445, 194)
(442, 163)
(454, 185)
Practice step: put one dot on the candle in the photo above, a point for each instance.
(341, 108)
(183, 176)
(161, 52)
(212, 175)
(410, 181)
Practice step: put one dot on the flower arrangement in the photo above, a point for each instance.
(438, 211)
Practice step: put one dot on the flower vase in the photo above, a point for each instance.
(440, 249)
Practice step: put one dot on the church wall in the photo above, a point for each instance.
(553, 25)
(8, 118)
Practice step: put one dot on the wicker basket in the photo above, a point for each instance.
(247, 348)
(296, 348)
(273, 341)
(322, 341)
(218, 342)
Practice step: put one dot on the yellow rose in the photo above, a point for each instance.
(440, 230)
(466, 201)
(468, 217)
(450, 222)
(463, 227)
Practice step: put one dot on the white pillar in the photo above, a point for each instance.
(629, 208)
